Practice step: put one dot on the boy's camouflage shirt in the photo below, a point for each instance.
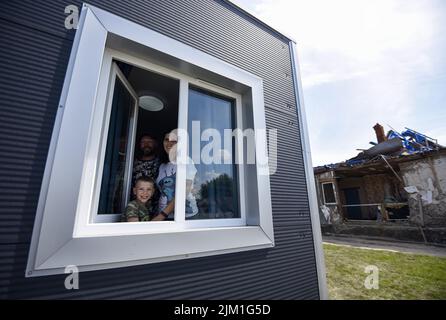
(136, 209)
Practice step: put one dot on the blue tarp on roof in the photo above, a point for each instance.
(411, 142)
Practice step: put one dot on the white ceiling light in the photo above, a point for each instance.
(151, 103)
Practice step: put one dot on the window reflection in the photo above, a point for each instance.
(215, 186)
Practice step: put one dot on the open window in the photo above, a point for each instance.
(140, 103)
(116, 171)
(124, 80)
(329, 193)
(214, 190)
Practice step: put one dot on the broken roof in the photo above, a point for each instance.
(397, 147)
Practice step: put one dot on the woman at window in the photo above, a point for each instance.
(166, 181)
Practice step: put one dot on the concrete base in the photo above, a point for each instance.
(389, 230)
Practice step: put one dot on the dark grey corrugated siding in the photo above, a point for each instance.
(34, 53)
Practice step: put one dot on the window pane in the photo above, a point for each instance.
(215, 187)
(113, 196)
(329, 195)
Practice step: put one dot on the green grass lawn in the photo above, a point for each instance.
(401, 275)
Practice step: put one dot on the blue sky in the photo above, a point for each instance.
(364, 62)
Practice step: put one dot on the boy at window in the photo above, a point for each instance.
(137, 209)
(147, 164)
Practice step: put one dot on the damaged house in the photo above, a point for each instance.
(400, 180)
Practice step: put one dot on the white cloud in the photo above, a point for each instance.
(360, 63)
(211, 174)
(345, 39)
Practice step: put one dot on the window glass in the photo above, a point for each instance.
(329, 195)
(211, 118)
(114, 195)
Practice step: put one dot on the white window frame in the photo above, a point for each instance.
(334, 192)
(108, 225)
(64, 232)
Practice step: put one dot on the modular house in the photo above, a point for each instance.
(82, 83)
